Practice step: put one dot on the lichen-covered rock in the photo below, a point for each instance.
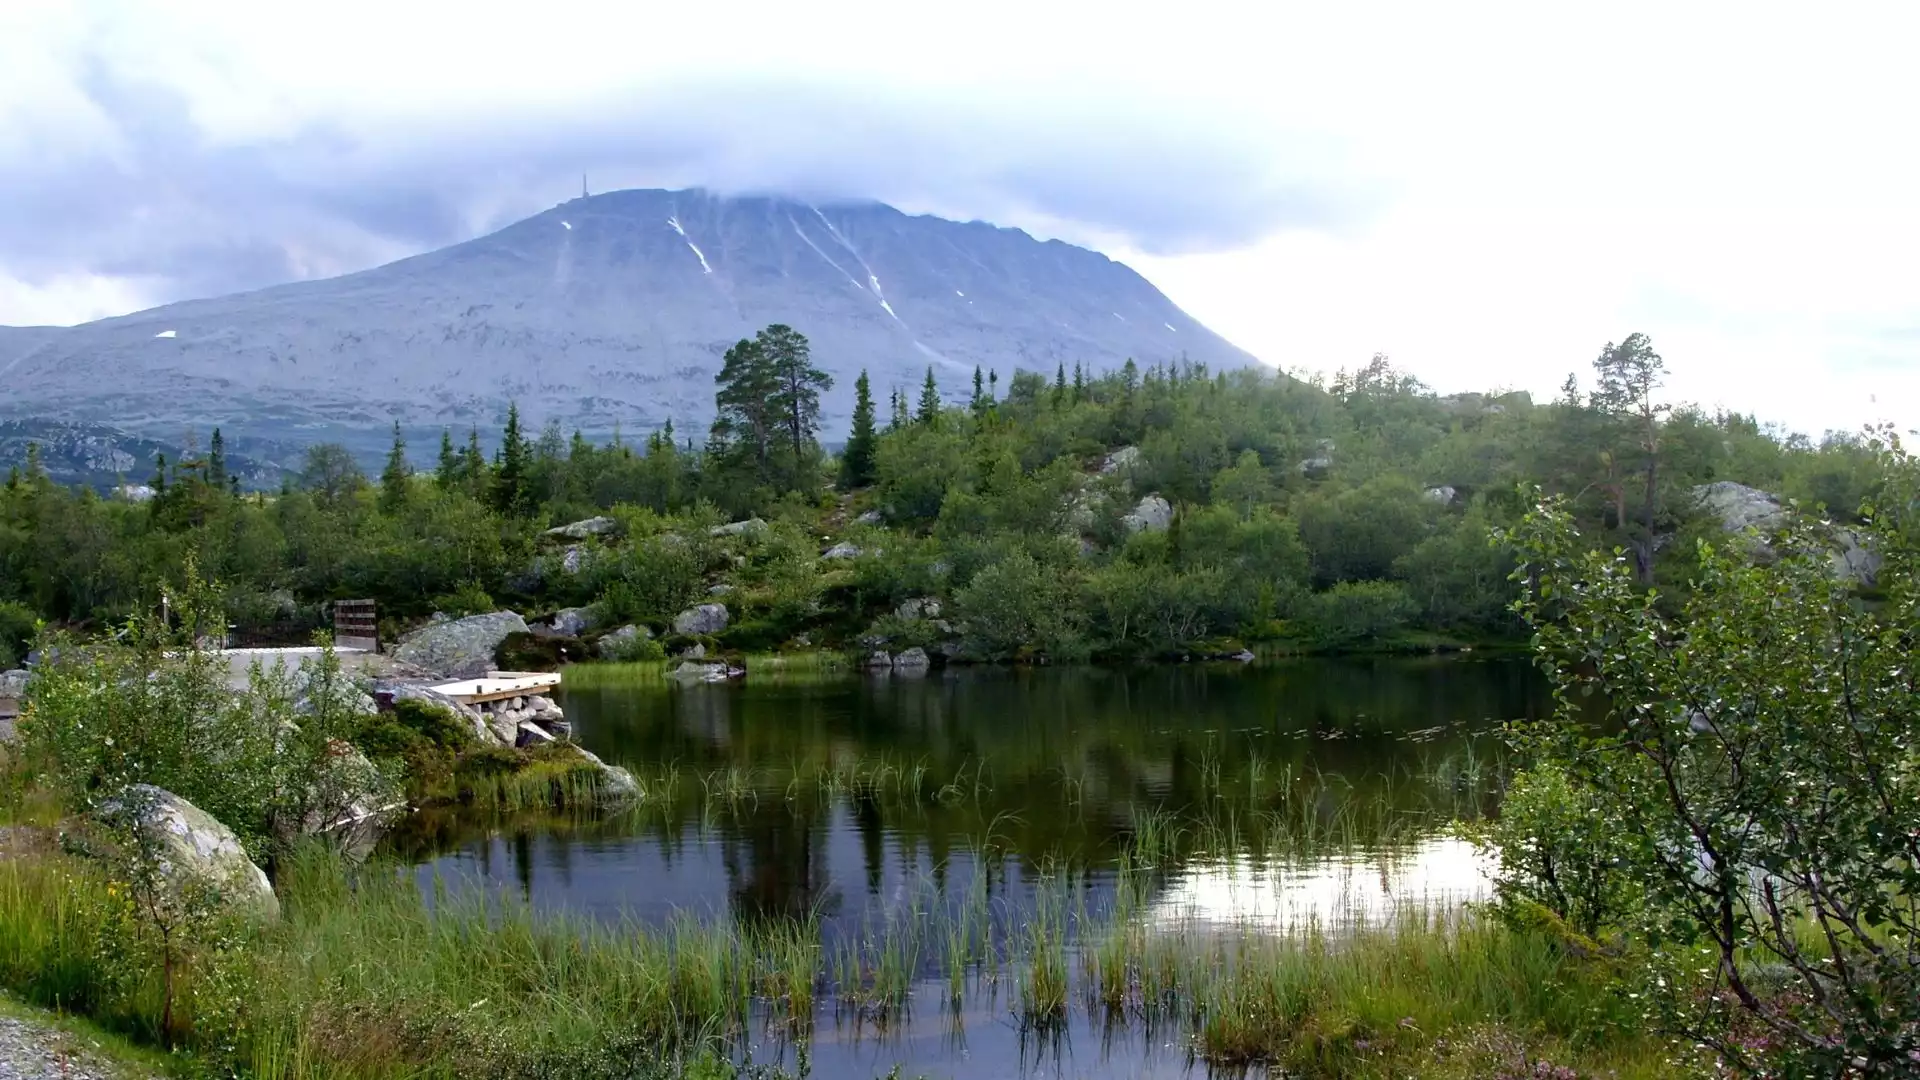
(570, 622)
(697, 671)
(461, 649)
(192, 851)
(721, 589)
(348, 694)
(871, 517)
(615, 782)
(573, 559)
(912, 659)
(845, 549)
(580, 530)
(1320, 462)
(1854, 560)
(1121, 461)
(1739, 507)
(1152, 514)
(880, 658)
(919, 607)
(1445, 494)
(752, 527)
(703, 619)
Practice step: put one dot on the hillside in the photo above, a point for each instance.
(605, 311)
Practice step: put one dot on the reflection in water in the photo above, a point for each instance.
(1268, 798)
(1326, 892)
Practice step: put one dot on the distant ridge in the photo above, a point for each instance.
(606, 310)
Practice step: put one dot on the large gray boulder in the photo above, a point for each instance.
(569, 622)
(1152, 514)
(1739, 507)
(190, 850)
(912, 659)
(580, 530)
(1445, 494)
(615, 782)
(460, 649)
(702, 619)
(845, 549)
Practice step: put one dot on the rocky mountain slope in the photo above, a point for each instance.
(103, 458)
(604, 311)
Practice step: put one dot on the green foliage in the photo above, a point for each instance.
(534, 652)
(469, 598)
(1353, 612)
(1016, 607)
(18, 627)
(1749, 780)
(1558, 851)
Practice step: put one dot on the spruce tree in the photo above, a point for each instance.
(510, 468)
(447, 472)
(217, 461)
(856, 462)
(929, 401)
(979, 401)
(473, 466)
(1059, 386)
(395, 478)
(993, 386)
(1079, 383)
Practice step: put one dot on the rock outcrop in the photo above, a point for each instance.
(461, 648)
(396, 691)
(192, 851)
(1121, 462)
(1152, 514)
(845, 549)
(1445, 494)
(919, 607)
(701, 619)
(914, 659)
(752, 527)
(1739, 507)
(580, 530)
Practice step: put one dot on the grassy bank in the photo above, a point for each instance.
(362, 978)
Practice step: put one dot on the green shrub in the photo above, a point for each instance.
(534, 652)
(469, 599)
(18, 625)
(1353, 612)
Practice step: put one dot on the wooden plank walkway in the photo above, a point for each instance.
(499, 686)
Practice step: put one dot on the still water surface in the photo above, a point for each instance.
(1272, 797)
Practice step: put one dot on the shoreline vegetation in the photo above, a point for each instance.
(1050, 517)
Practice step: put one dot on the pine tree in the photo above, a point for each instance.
(510, 488)
(856, 462)
(395, 478)
(217, 461)
(929, 411)
(744, 414)
(799, 385)
(1059, 386)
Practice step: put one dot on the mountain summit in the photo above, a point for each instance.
(606, 310)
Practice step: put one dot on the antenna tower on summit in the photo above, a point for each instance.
(583, 185)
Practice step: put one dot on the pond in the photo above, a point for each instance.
(1263, 799)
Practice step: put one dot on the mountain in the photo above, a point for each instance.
(610, 310)
(103, 458)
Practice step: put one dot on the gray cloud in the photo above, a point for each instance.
(188, 216)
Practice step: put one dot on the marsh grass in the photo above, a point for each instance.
(363, 977)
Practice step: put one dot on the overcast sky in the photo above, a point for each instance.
(1487, 193)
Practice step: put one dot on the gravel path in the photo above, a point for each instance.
(31, 1051)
